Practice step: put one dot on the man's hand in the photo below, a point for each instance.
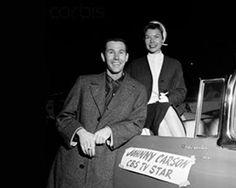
(103, 135)
(87, 142)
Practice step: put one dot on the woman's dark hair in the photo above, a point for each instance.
(154, 26)
(157, 25)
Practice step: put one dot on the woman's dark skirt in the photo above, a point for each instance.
(155, 114)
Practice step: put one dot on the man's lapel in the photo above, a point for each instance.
(98, 92)
(122, 94)
(97, 88)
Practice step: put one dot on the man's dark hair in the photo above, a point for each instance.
(116, 39)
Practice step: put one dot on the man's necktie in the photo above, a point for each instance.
(112, 88)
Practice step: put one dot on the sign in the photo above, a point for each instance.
(157, 164)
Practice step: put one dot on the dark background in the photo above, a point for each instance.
(201, 36)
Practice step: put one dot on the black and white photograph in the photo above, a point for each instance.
(137, 94)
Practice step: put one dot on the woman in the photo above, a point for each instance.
(163, 78)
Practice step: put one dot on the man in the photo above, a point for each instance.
(101, 113)
(163, 78)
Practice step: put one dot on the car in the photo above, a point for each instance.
(205, 158)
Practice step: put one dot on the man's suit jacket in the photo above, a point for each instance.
(84, 107)
(170, 79)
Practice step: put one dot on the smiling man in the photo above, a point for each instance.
(101, 113)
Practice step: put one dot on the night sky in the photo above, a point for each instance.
(201, 36)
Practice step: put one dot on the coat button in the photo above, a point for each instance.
(81, 166)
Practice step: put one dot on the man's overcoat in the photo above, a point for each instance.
(84, 107)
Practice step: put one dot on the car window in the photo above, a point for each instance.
(233, 115)
(210, 101)
(227, 137)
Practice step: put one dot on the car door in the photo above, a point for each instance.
(214, 162)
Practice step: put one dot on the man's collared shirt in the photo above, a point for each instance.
(111, 87)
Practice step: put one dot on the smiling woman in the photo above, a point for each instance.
(211, 157)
